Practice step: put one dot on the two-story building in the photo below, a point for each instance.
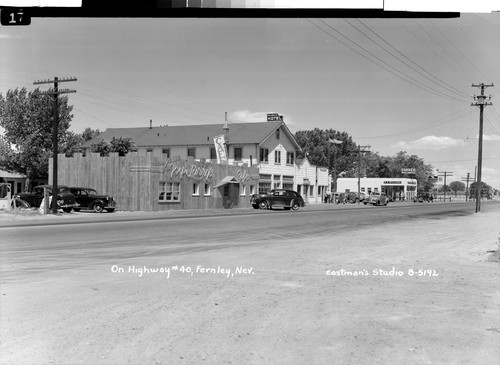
(270, 146)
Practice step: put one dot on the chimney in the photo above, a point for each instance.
(150, 123)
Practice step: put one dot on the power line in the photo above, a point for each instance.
(459, 51)
(448, 87)
(441, 121)
(406, 77)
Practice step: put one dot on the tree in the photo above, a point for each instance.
(120, 145)
(27, 118)
(457, 186)
(73, 142)
(89, 133)
(486, 190)
(319, 147)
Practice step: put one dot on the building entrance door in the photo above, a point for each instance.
(230, 195)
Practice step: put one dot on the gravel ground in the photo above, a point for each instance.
(354, 298)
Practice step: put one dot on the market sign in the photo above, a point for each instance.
(408, 171)
(392, 182)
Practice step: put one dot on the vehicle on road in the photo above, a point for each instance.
(65, 199)
(90, 199)
(376, 198)
(277, 198)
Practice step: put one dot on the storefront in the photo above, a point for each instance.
(397, 189)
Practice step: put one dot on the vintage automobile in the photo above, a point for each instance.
(65, 199)
(376, 198)
(282, 198)
(422, 197)
(89, 199)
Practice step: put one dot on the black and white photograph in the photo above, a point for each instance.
(249, 182)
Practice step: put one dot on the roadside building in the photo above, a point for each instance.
(143, 182)
(16, 181)
(268, 146)
(397, 189)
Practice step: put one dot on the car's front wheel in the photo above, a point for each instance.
(263, 205)
(295, 206)
(98, 208)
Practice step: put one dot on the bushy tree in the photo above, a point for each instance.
(27, 118)
(320, 147)
(457, 186)
(120, 145)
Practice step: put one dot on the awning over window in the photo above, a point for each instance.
(227, 180)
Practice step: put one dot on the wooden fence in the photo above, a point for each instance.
(135, 180)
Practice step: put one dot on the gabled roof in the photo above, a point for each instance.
(11, 175)
(192, 135)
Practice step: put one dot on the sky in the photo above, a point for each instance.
(393, 84)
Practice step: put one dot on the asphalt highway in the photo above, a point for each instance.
(51, 245)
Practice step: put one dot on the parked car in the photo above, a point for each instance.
(421, 198)
(89, 199)
(376, 198)
(352, 197)
(282, 198)
(65, 199)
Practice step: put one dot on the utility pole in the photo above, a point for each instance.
(359, 167)
(445, 173)
(481, 103)
(55, 128)
(467, 188)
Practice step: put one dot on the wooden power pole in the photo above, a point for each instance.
(481, 103)
(55, 128)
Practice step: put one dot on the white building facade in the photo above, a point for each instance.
(397, 189)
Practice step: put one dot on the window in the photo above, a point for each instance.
(196, 189)
(252, 189)
(213, 154)
(277, 133)
(290, 158)
(264, 187)
(166, 152)
(169, 192)
(264, 155)
(238, 153)
(277, 185)
(311, 190)
(206, 190)
(277, 157)
(191, 152)
(149, 150)
(243, 189)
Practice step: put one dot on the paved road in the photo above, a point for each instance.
(40, 247)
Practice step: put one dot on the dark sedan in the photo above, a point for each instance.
(287, 199)
(65, 200)
(89, 199)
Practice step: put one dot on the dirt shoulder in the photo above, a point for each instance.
(351, 298)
